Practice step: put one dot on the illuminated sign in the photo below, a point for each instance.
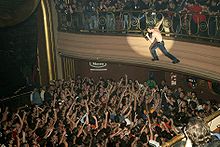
(97, 66)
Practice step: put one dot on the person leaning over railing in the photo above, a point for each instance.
(35, 97)
(90, 13)
(72, 16)
(198, 134)
(69, 19)
(197, 17)
(160, 5)
(213, 6)
(80, 18)
(61, 7)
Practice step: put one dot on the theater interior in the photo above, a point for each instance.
(51, 42)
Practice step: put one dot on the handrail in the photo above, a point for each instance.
(16, 101)
(181, 136)
(12, 97)
(201, 26)
(212, 116)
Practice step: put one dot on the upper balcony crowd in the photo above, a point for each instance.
(182, 17)
(209, 6)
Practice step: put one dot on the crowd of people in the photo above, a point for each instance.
(88, 14)
(85, 112)
(212, 6)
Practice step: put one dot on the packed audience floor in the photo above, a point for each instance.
(83, 112)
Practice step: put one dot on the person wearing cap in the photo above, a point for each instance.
(159, 43)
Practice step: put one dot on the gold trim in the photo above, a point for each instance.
(69, 68)
(65, 68)
(72, 70)
(48, 39)
(212, 116)
(173, 141)
(53, 54)
(38, 62)
(62, 63)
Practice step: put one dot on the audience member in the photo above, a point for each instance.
(198, 134)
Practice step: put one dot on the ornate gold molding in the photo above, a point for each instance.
(49, 39)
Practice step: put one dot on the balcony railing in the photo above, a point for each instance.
(16, 101)
(200, 26)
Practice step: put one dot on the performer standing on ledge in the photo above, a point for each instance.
(159, 43)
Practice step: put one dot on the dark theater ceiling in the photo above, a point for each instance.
(13, 12)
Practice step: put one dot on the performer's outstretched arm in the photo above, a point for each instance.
(157, 26)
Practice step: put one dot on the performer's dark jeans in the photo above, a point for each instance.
(161, 46)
